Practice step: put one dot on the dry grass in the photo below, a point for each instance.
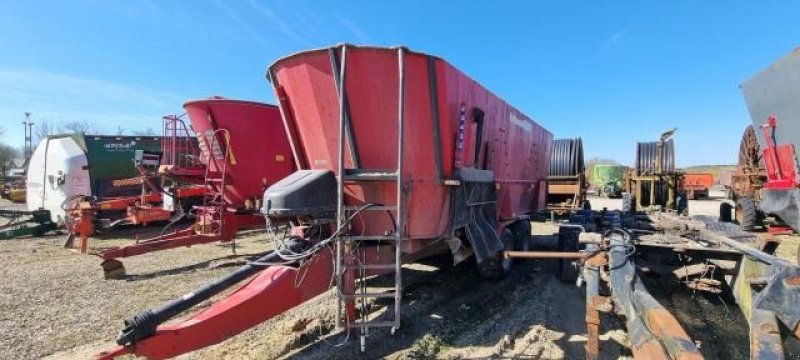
(52, 299)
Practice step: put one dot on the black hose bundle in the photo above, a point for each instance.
(566, 157)
(647, 157)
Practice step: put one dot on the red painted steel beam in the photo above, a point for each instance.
(186, 237)
(272, 292)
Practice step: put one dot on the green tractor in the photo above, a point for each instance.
(607, 180)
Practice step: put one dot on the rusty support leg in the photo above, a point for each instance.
(592, 277)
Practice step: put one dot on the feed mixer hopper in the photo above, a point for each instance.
(402, 156)
(244, 148)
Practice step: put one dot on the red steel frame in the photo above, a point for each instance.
(779, 160)
(270, 293)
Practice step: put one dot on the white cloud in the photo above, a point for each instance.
(62, 97)
(241, 24)
(274, 18)
(360, 35)
(615, 38)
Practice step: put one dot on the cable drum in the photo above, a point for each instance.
(647, 157)
(566, 157)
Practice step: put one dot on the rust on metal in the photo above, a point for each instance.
(671, 334)
(593, 326)
(792, 281)
(649, 350)
(596, 259)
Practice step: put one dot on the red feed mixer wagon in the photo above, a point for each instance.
(402, 156)
(244, 148)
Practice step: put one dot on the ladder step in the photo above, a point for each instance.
(368, 295)
(369, 237)
(371, 208)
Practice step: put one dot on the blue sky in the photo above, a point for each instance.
(612, 72)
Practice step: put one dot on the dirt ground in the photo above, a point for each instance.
(55, 303)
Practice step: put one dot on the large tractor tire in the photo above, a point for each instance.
(746, 213)
(498, 266)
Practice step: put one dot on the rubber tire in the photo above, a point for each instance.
(627, 203)
(586, 205)
(725, 212)
(522, 235)
(746, 213)
(498, 267)
(567, 241)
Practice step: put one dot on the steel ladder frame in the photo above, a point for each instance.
(343, 242)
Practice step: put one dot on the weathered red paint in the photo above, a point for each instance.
(697, 185)
(698, 180)
(513, 145)
(273, 291)
(259, 153)
(780, 160)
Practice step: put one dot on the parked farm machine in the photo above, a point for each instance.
(566, 181)
(697, 185)
(462, 174)
(608, 180)
(243, 149)
(654, 183)
(765, 184)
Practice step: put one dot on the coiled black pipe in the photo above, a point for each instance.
(566, 157)
(647, 157)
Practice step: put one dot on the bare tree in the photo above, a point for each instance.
(44, 128)
(80, 126)
(120, 131)
(7, 156)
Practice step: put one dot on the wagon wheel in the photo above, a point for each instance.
(567, 270)
(750, 152)
(498, 266)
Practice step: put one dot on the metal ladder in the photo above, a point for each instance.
(176, 143)
(346, 243)
(214, 199)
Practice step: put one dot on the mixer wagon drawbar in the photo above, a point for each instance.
(243, 149)
(428, 162)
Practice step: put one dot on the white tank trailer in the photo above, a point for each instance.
(67, 166)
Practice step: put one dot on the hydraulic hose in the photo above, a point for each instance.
(144, 324)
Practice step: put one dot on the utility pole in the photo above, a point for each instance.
(28, 136)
